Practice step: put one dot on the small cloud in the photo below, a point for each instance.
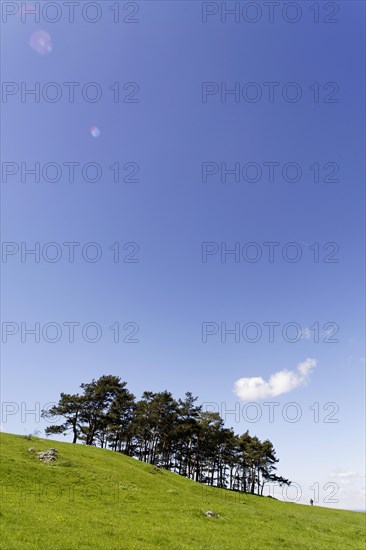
(306, 333)
(345, 475)
(249, 389)
(313, 333)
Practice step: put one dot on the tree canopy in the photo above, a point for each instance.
(176, 435)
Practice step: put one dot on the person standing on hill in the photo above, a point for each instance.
(311, 502)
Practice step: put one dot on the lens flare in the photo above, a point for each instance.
(95, 132)
(40, 42)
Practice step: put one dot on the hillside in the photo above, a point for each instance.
(99, 499)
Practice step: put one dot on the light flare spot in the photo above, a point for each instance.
(40, 42)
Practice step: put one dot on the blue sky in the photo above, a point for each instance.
(169, 212)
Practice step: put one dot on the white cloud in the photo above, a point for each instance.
(311, 333)
(306, 333)
(249, 389)
(345, 475)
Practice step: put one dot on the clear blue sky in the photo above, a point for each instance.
(169, 212)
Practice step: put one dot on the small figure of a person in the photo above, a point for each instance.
(311, 502)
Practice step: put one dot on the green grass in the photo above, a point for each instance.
(99, 499)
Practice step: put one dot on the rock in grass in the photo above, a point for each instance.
(210, 514)
(48, 456)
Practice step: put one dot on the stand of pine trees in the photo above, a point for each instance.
(176, 435)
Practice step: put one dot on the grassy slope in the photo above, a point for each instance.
(94, 498)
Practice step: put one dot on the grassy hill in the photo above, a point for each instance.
(99, 499)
